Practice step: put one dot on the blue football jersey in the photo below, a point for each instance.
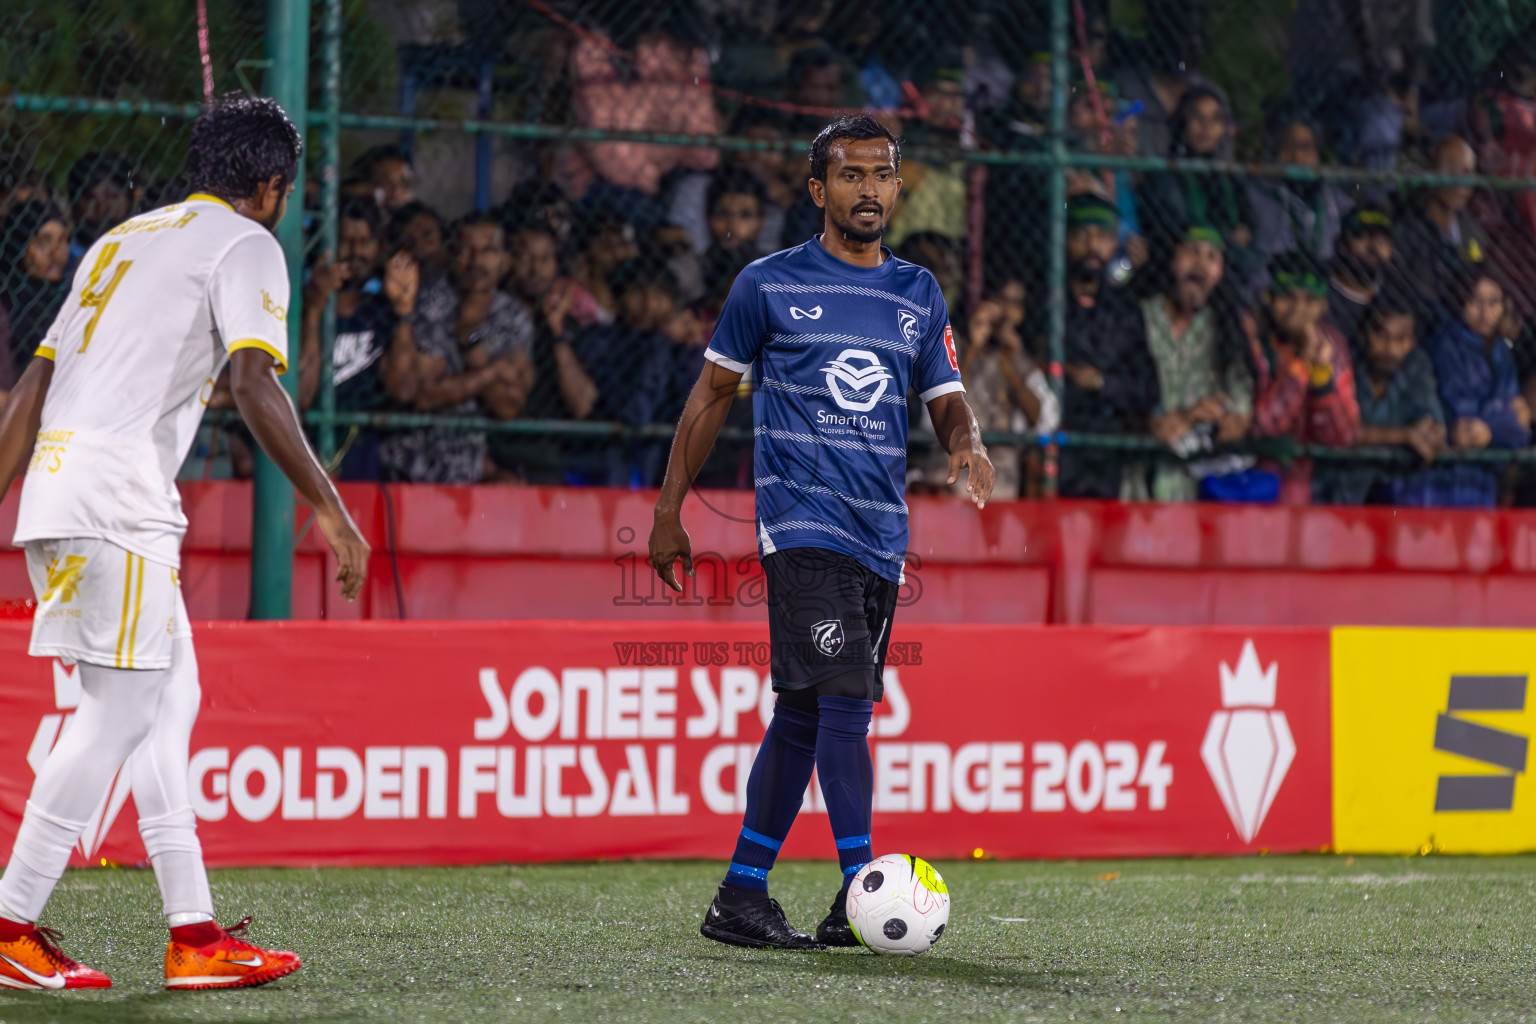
(833, 349)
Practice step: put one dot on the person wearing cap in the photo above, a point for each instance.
(933, 194)
(1202, 362)
(1111, 382)
(1304, 384)
(1358, 272)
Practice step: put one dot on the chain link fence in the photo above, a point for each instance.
(1239, 251)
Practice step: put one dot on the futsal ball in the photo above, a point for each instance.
(898, 904)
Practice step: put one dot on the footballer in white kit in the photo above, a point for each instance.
(99, 425)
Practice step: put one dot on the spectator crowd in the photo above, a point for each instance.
(1235, 319)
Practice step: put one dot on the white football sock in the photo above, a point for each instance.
(166, 821)
(115, 712)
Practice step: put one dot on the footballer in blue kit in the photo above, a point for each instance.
(835, 332)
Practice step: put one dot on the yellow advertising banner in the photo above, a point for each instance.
(1432, 740)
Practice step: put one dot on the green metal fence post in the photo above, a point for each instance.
(287, 50)
(1056, 283)
(330, 203)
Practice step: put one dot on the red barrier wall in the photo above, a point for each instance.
(527, 553)
(367, 743)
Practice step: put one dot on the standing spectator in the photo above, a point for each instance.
(1207, 386)
(1007, 389)
(1399, 407)
(665, 95)
(1304, 385)
(1479, 386)
(933, 195)
(1201, 127)
(1440, 241)
(389, 172)
(103, 192)
(1358, 272)
(1296, 216)
(34, 252)
(374, 353)
(1111, 382)
(473, 342)
(1166, 69)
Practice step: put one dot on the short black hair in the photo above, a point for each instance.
(365, 210)
(402, 217)
(20, 225)
(529, 226)
(240, 142)
(480, 219)
(1458, 289)
(854, 128)
(732, 182)
(94, 168)
(1386, 306)
(644, 271)
(365, 164)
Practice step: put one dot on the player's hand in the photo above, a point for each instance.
(401, 279)
(669, 542)
(351, 550)
(979, 487)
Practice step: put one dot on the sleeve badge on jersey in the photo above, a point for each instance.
(949, 347)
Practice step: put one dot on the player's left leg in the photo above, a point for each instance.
(200, 954)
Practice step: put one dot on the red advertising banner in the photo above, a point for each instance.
(450, 743)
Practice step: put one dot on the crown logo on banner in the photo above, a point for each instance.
(1251, 686)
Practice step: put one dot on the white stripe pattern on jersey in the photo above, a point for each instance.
(801, 524)
(808, 389)
(869, 503)
(842, 289)
(835, 442)
(905, 348)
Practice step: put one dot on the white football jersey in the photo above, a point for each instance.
(156, 306)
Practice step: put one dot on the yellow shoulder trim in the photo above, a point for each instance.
(205, 197)
(282, 363)
(45, 352)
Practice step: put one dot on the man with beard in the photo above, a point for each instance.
(473, 342)
(1358, 271)
(1111, 383)
(1207, 388)
(374, 353)
(835, 331)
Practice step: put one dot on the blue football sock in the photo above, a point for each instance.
(775, 790)
(847, 776)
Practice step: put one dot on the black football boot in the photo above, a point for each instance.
(757, 924)
(834, 929)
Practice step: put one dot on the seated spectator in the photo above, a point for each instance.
(737, 202)
(473, 344)
(1479, 386)
(1296, 216)
(1358, 272)
(1206, 383)
(1202, 128)
(34, 252)
(388, 170)
(1399, 407)
(1005, 386)
(374, 353)
(103, 192)
(664, 96)
(1111, 382)
(1438, 240)
(605, 241)
(933, 195)
(1304, 385)
(1164, 70)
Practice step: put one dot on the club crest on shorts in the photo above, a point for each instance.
(827, 635)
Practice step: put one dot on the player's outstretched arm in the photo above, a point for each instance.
(708, 403)
(960, 435)
(273, 421)
(20, 418)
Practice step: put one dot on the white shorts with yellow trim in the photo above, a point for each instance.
(102, 605)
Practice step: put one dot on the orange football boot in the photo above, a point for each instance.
(226, 962)
(33, 960)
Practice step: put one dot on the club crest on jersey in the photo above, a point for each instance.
(814, 313)
(827, 635)
(863, 375)
(907, 321)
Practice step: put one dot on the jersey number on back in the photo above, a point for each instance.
(95, 296)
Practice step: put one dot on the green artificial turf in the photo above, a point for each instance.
(1258, 939)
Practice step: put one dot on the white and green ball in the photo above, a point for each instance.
(898, 904)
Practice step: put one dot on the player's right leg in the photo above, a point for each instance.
(102, 607)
